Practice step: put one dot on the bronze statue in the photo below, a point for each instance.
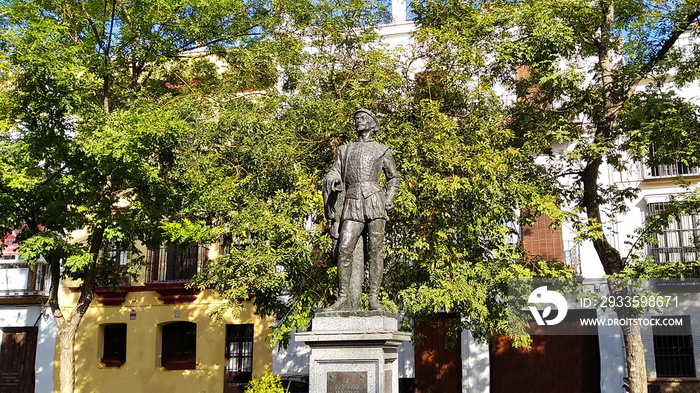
(358, 208)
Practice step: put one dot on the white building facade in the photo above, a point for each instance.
(28, 328)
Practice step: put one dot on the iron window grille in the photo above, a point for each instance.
(673, 349)
(679, 240)
(239, 356)
(117, 261)
(116, 253)
(572, 256)
(179, 346)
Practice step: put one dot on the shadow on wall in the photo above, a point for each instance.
(292, 361)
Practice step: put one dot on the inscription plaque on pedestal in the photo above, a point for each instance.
(346, 382)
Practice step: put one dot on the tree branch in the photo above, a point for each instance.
(126, 14)
(91, 22)
(679, 29)
(187, 47)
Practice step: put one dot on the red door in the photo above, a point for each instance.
(17, 359)
(554, 364)
(438, 364)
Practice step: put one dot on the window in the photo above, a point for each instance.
(175, 263)
(239, 357)
(114, 348)
(117, 253)
(670, 170)
(410, 13)
(179, 346)
(677, 243)
(673, 349)
(113, 267)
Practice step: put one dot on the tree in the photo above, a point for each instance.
(584, 64)
(118, 122)
(90, 121)
(257, 169)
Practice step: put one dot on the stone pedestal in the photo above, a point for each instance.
(353, 352)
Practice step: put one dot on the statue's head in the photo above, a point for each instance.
(366, 117)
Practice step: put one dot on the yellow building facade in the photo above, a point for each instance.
(156, 336)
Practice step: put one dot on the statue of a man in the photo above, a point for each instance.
(358, 208)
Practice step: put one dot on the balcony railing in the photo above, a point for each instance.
(175, 263)
(572, 256)
(18, 277)
(672, 170)
(669, 170)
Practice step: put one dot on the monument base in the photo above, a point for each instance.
(353, 352)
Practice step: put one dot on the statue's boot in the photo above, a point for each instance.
(376, 270)
(343, 301)
(375, 245)
(340, 304)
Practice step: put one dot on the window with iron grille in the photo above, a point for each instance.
(679, 240)
(179, 346)
(239, 356)
(668, 170)
(671, 170)
(113, 268)
(673, 349)
(120, 255)
(114, 348)
(175, 262)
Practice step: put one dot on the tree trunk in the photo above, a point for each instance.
(66, 331)
(613, 263)
(66, 338)
(636, 364)
(68, 327)
(609, 256)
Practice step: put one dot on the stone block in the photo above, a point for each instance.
(353, 352)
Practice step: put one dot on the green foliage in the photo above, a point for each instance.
(188, 232)
(663, 129)
(42, 243)
(573, 71)
(91, 114)
(577, 78)
(268, 383)
(252, 169)
(133, 140)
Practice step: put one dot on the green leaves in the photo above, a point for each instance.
(40, 244)
(662, 128)
(188, 232)
(268, 383)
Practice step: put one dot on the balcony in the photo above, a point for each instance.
(572, 256)
(175, 263)
(675, 169)
(19, 278)
(170, 268)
